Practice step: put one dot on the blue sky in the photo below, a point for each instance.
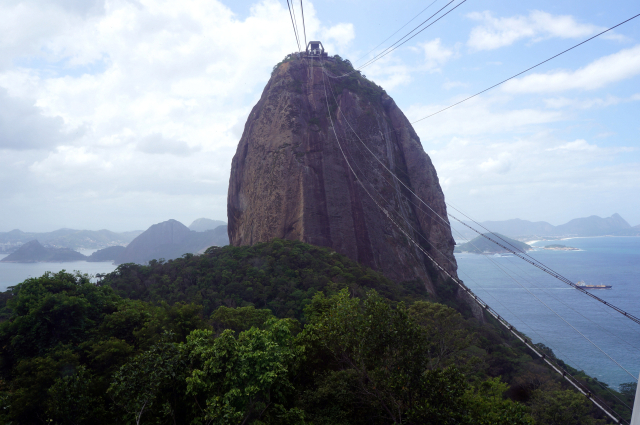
(120, 114)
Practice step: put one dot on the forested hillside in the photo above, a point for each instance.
(278, 333)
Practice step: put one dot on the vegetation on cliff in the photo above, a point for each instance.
(76, 352)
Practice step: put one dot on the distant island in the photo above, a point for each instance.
(167, 240)
(556, 247)
(482, 245)
(34, 252)
(66, 238)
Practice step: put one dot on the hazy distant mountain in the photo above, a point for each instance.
(67, 238)
(34, 252)
(594, 226)
(204, 224)
(170, 239)
(219, 236)
(481, 244)
(107, 254)
(516, 228)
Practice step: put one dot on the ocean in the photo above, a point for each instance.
(583, 332)
(13, 273)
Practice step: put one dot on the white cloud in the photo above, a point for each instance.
(24, 126)
(495, 32)
(134, 102)
(599, 73)
(501, 165)
(536, 177)
(448, 85)
(582, 145)
(156, 143)
(390, 72)
(435, 55)
(478, 116)
(340, 34)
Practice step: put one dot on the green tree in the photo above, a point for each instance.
(244, 379)
(376, 358)
(152, 383)
(240, 319)
(561, 407)
(73, 401)
(488, 406)
(53, 309)
(446, 331)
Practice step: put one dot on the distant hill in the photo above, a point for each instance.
(595, 226)
(34, 252)
(67, 238)
(170, 239)
(204, 224)
(481, 244)
(107, 254)
(586, 226)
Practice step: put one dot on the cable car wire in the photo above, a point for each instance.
(304, 28)
(295, 20)
(513, 250)
(295, 30)
(511, 277)
(572, 380)
(526, 70)
(387, 51)
(384, 41)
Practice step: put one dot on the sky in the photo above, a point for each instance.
(120, 114)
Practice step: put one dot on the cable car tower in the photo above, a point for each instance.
(315, 49)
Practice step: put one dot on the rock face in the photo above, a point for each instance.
(290, 179)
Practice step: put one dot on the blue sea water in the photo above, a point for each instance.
(583, 332)
(13, 273)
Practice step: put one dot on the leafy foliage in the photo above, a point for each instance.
(317, 340)
(281, 276)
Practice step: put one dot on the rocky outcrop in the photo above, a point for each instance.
(290, 179)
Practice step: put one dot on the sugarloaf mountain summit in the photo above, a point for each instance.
(314, 164)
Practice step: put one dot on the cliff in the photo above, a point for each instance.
(289, 178)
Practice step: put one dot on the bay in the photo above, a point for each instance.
(13, 273)
(582, 331)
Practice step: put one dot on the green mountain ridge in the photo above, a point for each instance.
(34, 252)
(485, 244)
